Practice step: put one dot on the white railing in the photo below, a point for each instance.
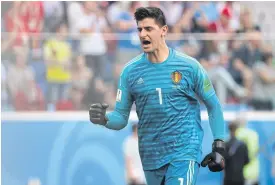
(84, 116)
(170, 36)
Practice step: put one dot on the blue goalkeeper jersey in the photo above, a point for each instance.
(167, 104)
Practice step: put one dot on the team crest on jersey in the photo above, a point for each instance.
(176, 77)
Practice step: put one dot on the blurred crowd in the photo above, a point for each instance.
(66, 55)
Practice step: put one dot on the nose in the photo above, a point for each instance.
(142, 33)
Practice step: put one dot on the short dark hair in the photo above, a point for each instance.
(151, 12)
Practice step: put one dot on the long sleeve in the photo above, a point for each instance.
(215, 115)
(206, 92)
(118, 119)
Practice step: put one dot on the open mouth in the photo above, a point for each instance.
(146, 42)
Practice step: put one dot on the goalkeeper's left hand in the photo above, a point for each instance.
(215, 160)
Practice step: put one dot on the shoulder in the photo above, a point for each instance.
(243, 131)
(132, 63)
(187, 60)
(243, 144)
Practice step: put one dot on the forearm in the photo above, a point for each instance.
(116, 120)
(216, 118)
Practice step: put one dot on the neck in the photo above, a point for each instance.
(159, 55)
(232, 136)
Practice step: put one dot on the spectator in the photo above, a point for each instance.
(16, 26)
(244, 57)
(113, 11)
(128, 42)
(81, 77)
(54, 14)
(57, 52)
(96, 92)
(235, 8)
(191, 45)
(263, 97)
(229, 59)
(236, 158)
(222, 80)
(91, 26)
(215, 62)
(74, 12)
(222, 25)
(39, 68)
(246, 22)
(35, 20)
(25, 94)
(134, 171)
(81, 74)
(187, 21)
(251, 139)
(173, 11)
(4, 91)
(206, 12)
(73, 103)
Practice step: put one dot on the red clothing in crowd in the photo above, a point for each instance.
(16, 23)
(219, 26)
(35, 16)
(21, 102)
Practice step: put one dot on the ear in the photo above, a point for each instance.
(164, 30)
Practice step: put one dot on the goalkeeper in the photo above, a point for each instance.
(166, 86)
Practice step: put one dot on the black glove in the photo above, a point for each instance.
(97, 113)
(215, 160)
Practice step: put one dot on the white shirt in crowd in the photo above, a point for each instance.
(93, 43)
(74, 13)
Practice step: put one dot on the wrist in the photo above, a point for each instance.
(219, 146)
(106, 119)
(218, 143)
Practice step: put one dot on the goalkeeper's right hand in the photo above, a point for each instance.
(97, 113)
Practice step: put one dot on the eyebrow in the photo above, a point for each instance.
(146, 27)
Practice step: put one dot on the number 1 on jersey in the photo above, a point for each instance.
(160, 95)
(181, 181)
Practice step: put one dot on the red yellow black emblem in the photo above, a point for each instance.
(176, 77)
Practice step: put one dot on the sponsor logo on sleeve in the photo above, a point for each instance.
(118, 95)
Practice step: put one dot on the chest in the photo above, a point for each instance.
(161, 81)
